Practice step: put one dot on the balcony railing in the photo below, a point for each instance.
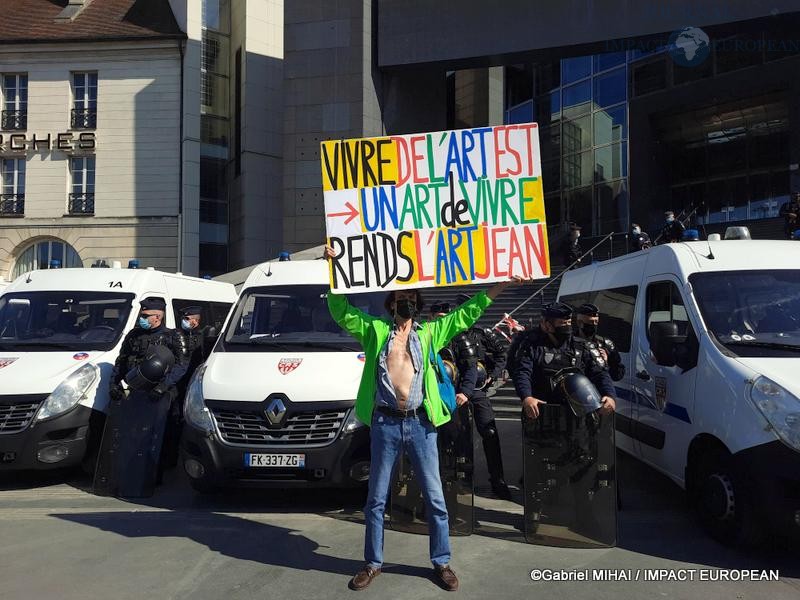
(12, 204)
(14, 119)
(83, 118)
(81, 204)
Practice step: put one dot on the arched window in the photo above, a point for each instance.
(39, 255)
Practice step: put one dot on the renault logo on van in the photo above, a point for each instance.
(275, 411)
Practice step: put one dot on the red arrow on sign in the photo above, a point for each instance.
(351, 214)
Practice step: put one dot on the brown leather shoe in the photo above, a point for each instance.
(446, 577)
(363, 578)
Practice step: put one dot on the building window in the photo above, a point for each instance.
(44, 254)
(12, 199)
(15, 102)
(84, 101)
(81, 196)
(213, 259)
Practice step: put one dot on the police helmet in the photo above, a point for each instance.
(155, 366)
(451, 370)
(580, 393)
(483, 376)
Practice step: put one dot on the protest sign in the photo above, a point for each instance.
(435, 209)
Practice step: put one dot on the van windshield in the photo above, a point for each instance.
(294, 317)
(66, 320)
(753, 313)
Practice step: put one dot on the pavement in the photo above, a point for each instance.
(59, 541)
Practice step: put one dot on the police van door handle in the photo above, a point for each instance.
(644, 375)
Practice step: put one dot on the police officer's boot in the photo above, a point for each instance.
(494, 462)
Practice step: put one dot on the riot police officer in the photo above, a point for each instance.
(673, 229)
(586, 323)
(488, 358)
(150, 330)
(550, 349)
(639, 239)
(790, 211)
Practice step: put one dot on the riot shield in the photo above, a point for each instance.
(570, 479)
(127, 464)
(407, 506)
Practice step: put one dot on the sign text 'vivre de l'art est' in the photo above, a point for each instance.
(435, 209)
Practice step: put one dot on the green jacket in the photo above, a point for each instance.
(373, 332)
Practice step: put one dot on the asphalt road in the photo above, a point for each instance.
(59, 541)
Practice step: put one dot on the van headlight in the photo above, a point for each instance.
(194, 408)
(351, 423)
(780, 408)
(69, 392)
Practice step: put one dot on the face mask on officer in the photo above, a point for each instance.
(637, 230)
(185, 324)
(588, 329)
(670, 219)
(144, 323)
(560, 332)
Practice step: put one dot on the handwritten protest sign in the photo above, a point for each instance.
(435, 209)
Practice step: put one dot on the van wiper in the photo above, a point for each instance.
(774, 345)
(265, 341)
(17, 345)
(327, 346)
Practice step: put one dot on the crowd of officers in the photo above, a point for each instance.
(534, 359)
(673, 230)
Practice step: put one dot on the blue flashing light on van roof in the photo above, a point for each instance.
(55, 263)
(691, 235)
(133, 264)
(284, 256)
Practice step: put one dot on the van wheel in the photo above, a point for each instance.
(724, 503)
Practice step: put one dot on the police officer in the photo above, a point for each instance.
(586, 323)
(571, 248)
(488, 354)
(195, 334)
(790, 211)
(150, 330)
(639, 239)
(550, 349)
(673, 229)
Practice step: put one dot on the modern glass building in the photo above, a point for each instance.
(698, 124)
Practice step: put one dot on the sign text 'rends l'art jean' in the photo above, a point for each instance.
(435, 209)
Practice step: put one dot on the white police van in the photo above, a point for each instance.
(710, 337)
(273, 405)
(60, 333)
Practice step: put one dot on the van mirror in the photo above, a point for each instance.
(664, 337)
(687, 352)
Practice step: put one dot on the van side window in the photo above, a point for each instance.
(616, 314)
(179, 304)
(671, 336)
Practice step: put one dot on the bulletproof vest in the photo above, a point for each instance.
(550, 361)
(141, 340)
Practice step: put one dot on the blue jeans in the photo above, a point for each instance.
(389, 437)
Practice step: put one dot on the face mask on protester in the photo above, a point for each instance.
(589, 329)
(405, 308)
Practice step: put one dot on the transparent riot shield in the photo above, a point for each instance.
(570, 479)
(407, 507)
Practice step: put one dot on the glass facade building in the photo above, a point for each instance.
(632, 132)
(214, 136)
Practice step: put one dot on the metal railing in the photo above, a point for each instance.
(81, 204)
(14, 119)
(12, 204)
(83, 118)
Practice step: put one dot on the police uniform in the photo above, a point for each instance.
(790, 225)
(640, 241)
(672, 231)
(489, 351)
(194, 341)
(134, 349)
(614, 362)
(539, 360)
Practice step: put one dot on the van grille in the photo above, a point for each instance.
(309, 428)
(16, 413)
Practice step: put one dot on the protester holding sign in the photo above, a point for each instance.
(398, 397)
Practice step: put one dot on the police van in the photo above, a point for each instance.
(60, 334)
(709, 333)
(3, 285)
(273, 405)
